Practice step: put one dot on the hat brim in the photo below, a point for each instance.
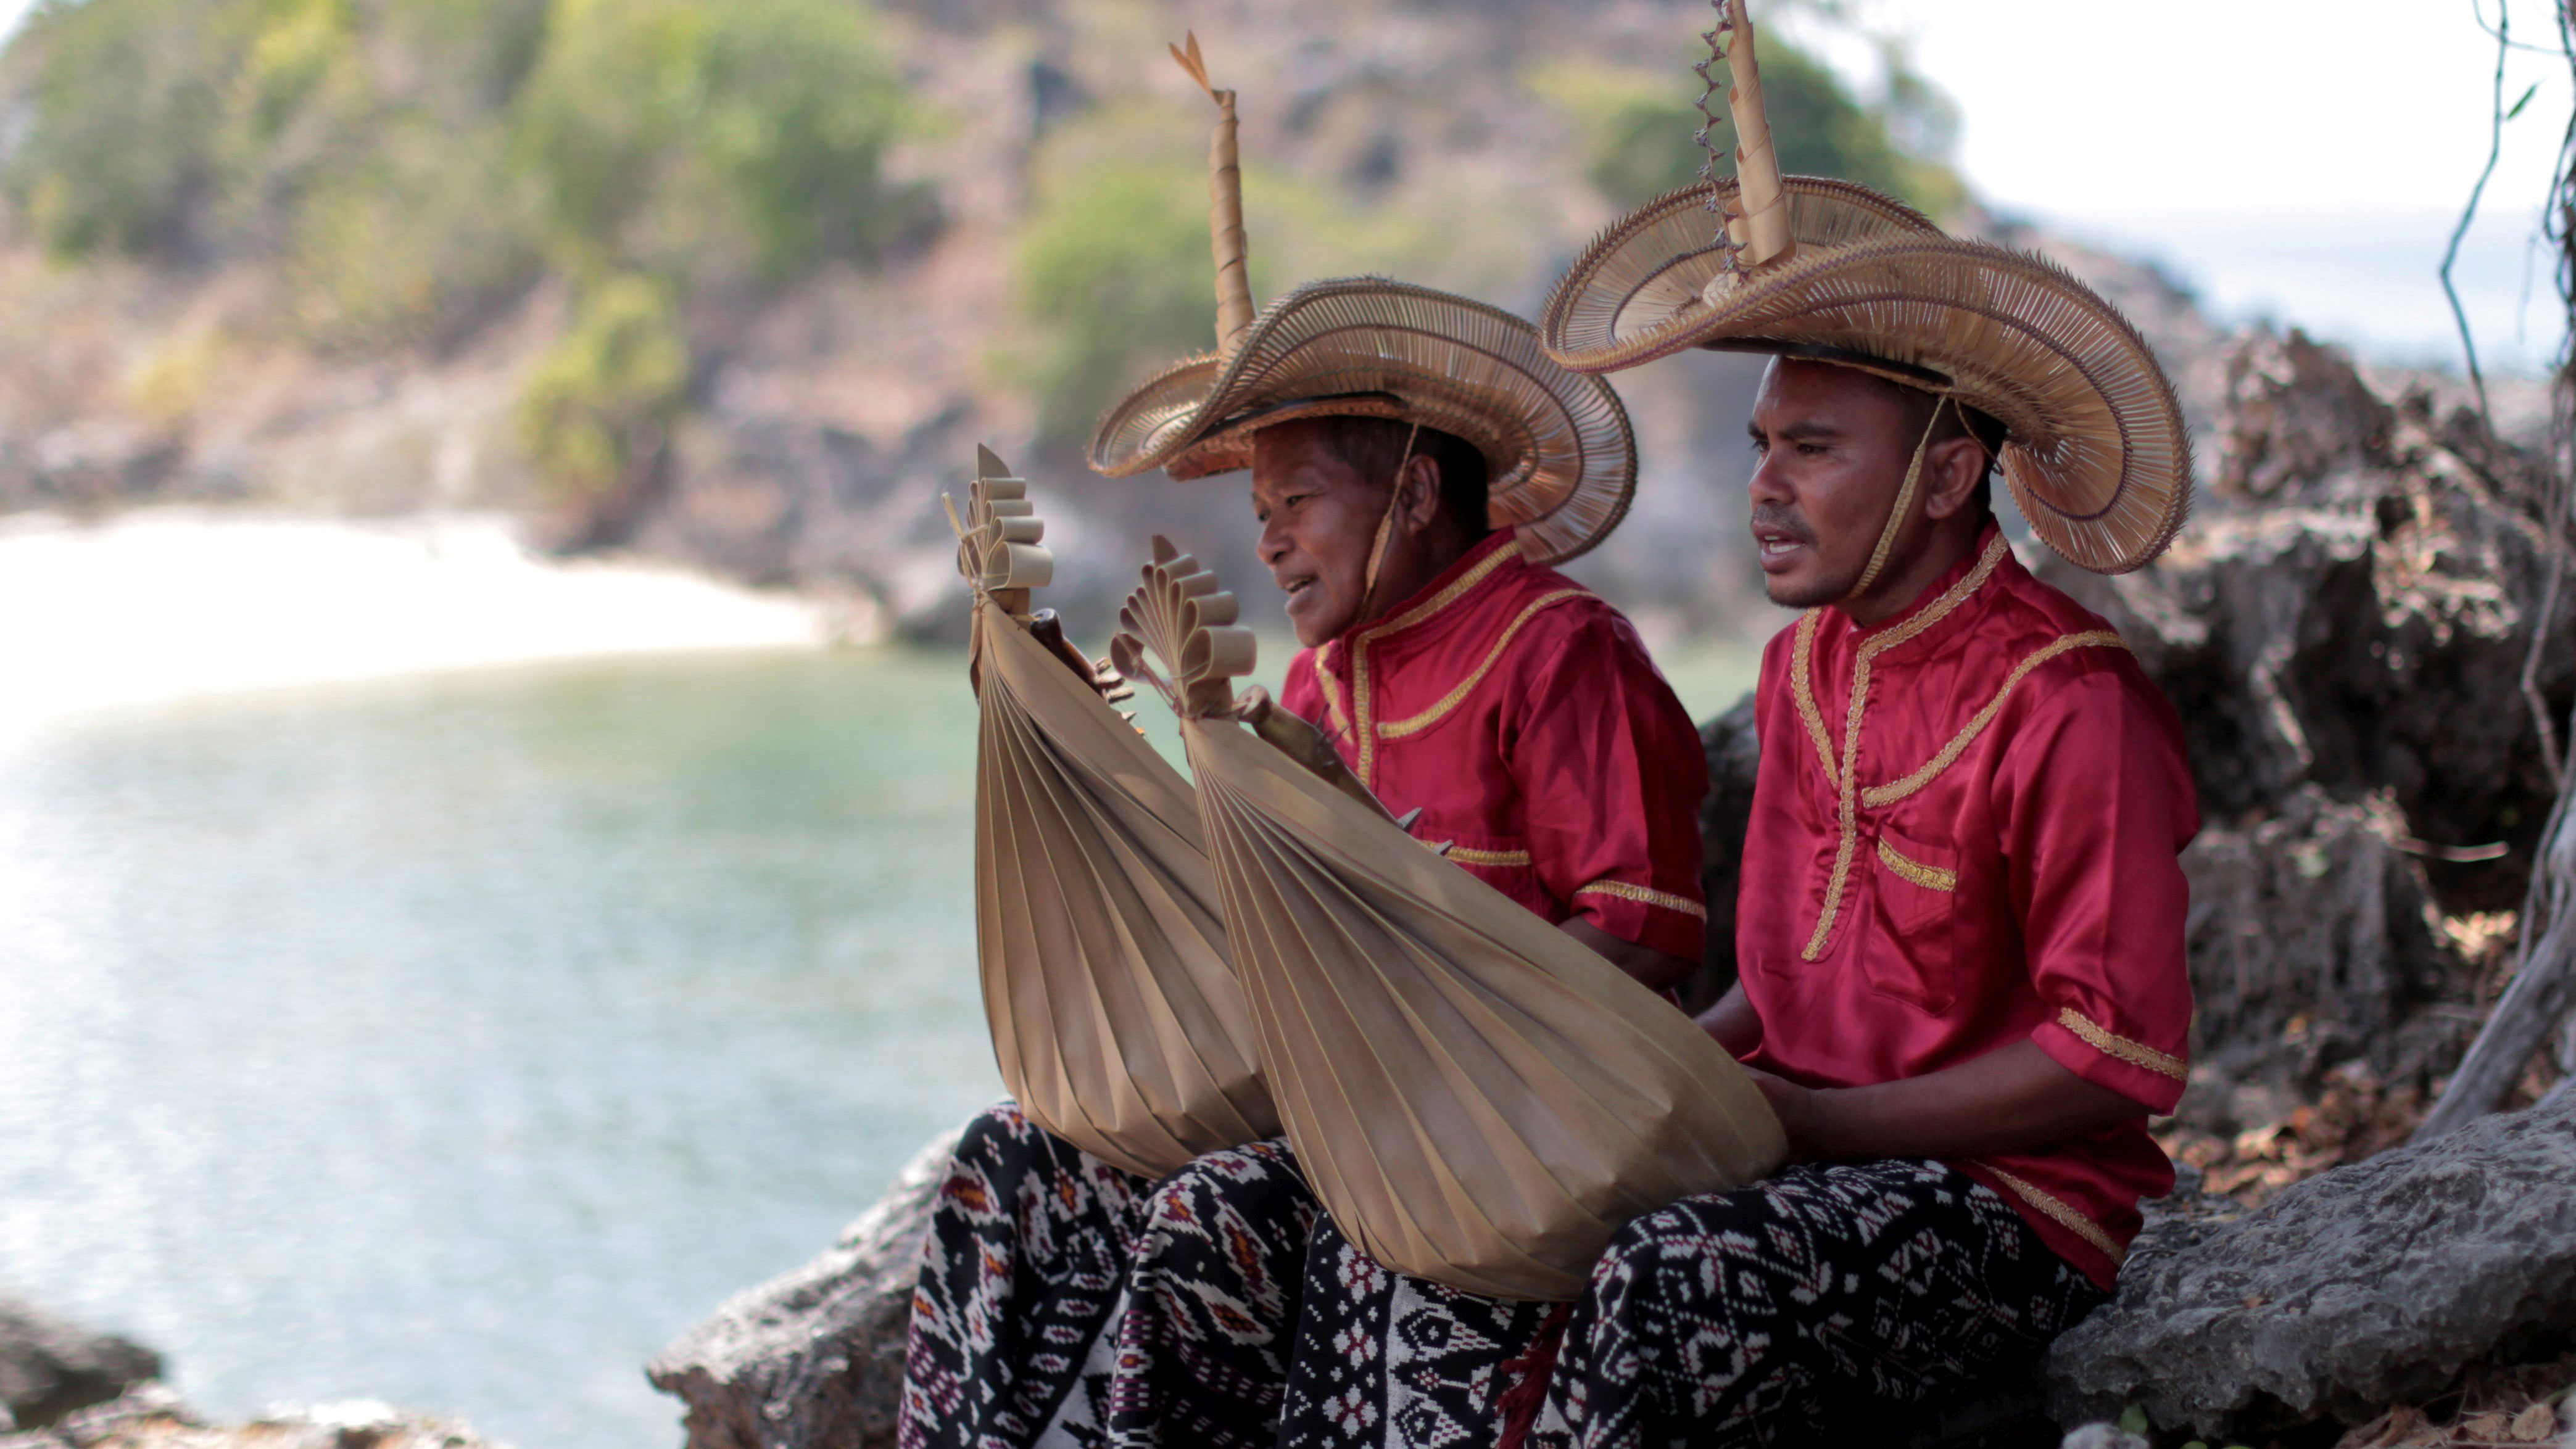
(1561, 458)
(2096, 451)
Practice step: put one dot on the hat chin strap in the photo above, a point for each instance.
(1386, 524)
(1904, 505)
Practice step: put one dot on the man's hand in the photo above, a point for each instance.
(1734, 1023)
(2011, 1099)
(1653, 969)
(1047, 627)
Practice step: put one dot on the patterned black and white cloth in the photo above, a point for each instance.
(1066, 1303)
(1803, 1307)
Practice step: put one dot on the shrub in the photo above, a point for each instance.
(125, 100)
(597, 408)
(1638, 129)
(437, 142)
(1114, 273)
(658, 128)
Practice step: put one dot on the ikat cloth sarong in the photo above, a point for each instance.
(1065, 1303)
(1812, 1308)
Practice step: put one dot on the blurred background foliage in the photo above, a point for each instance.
(1112, 273)
(410, 168)
(1639, 130)
(406, 172)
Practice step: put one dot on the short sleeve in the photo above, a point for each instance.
(1301, 693)
(2096, 802)
(1612, 772)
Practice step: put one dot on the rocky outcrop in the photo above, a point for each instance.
(66, 1387)
(1733, 757)
(2312, 943)
(2365, 1286)
(50, 1368)
(814, 1357)
(2352, 610)
(151, 1417)
(2343, 630)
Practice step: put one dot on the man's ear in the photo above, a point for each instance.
(1417, 486)
(1954, 469)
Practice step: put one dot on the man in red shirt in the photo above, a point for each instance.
(1509, 704)
(1960, 930)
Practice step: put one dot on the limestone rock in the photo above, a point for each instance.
(1733, 757)
(2352, 610)
(814, 1357)
(149, 1416)
(2366, 1285)
(2311, 944)
(49, 1368)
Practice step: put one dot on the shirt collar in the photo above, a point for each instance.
(1958, 584)
(1492, 554)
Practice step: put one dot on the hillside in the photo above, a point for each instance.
(742, 284)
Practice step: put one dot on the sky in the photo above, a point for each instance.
(2301, 159)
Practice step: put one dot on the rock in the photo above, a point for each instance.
(2352, 611)
(2104, 1436)
(2363, 1286)
(2343, 630)
(2312, 943)
(814, 1357)
(48, 1367)
(151, 1417)
(1733, 757)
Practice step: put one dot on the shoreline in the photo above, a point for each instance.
(158, 605)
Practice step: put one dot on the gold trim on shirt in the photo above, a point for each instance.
(1870, 648)
(2064, 1213)
(1366, 725)
(1895, 790)
(2112, 1044)
(1930, 877)
(1416, 724)
(1469, 855)
(1332, 694)
(1802, 675)
(1620, 888)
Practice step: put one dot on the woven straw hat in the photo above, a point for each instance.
(2095, 448)
(1560, 458)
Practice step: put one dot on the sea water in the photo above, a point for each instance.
(461, 1040)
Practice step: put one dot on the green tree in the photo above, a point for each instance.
(658, 129)
(597, 410)
(1115, 276)
(1639, 131)
(120, 165)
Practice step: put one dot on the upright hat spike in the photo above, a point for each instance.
(1757, 225)
(1225, 208)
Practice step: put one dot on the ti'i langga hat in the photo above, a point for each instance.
(2095, 450)
(1561, 460)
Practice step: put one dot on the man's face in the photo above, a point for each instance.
(1833, 446)
(1318, 520)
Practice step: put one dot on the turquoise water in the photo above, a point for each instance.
(461, 1041)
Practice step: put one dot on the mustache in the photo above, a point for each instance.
(1779, 518)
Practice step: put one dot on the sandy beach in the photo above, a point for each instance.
(161, 605)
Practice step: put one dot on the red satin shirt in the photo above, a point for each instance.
(1964, 835)
(1520, 712)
